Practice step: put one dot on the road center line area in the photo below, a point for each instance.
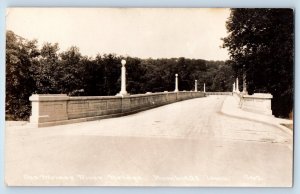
(188, 143)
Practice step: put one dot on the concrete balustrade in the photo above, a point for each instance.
(51, 109)
(48, 108)
(218, 93)
(258, 102)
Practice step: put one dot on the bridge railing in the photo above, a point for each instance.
(257, 102)
(218, 93)
(51, 109)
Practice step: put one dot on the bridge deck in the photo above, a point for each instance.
(161, 146)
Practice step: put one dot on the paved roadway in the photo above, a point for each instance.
(189, 143)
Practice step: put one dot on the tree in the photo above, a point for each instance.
(47, 72)
(135, 76)
(92, 75)
(224, 78)
(260, 43)
(71, 81)
(21, 55)
(111, 74)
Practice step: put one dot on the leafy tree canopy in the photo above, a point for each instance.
(260, 43)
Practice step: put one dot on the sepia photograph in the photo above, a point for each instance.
(176, 97)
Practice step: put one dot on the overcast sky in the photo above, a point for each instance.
(156, 33)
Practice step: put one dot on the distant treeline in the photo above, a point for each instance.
(30, 70)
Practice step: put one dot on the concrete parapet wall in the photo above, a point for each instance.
(258, 102)
(219, 93)
(51, 109)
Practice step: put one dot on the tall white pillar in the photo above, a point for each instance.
(233, 87)
(244, 85)
(237, 85)
(204, 88)
(176, 83)
(196, 86)
(123, 79)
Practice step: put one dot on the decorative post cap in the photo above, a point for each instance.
(123, 61)
(176, 74)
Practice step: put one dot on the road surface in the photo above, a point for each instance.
(188, 143)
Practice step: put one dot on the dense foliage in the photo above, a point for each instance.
(260, 43)
(46, 70)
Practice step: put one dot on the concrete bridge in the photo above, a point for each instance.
(206, 141)
(162, 139)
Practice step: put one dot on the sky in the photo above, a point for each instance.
(136, 32)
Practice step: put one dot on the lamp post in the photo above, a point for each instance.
(196, 86)
(176, 83)
(123, 79)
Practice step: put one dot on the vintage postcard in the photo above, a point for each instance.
(149, 97)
